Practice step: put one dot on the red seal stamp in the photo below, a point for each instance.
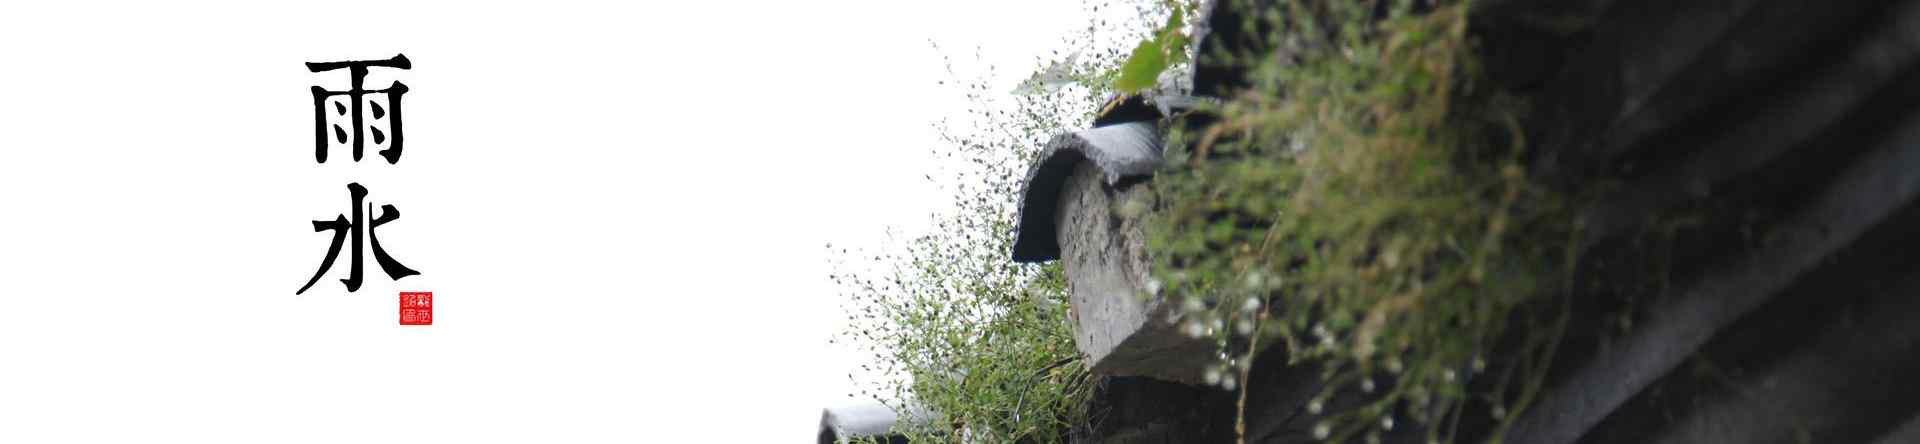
(416, 308)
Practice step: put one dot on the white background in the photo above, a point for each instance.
(621, 210)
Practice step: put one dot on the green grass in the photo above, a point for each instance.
(1365, 207)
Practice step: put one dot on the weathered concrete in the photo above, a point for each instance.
(1119, 151)
(1069, 211)
(1133, 410)
(862, 421)
(1105, 257)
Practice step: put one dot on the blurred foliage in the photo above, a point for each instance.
(969, 345)
(1363, 206)
(1167, 46)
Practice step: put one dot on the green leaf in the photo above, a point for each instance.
(1172, 41)
(1141, 69)
(1152, 56)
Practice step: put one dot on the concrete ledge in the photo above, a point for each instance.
(1121, 151)
(1104, 254)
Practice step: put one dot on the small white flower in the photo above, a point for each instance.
(1256, 281)
(1193, 329)
(1212, 376)
(1386, 423)
(1394, 366)
(1227, 382)
(1366, 385)
(1244, 327)
(1192, 304)
(1447, 375)
(1314, 406)
(1321, 430)
(1499, 411)
(1252, 303)
(1479, 364)
(1153, 287)
(1373, 438)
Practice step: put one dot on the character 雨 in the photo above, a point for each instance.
(352, 109)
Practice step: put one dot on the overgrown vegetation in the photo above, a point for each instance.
(972, 347)
(1363, 206)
